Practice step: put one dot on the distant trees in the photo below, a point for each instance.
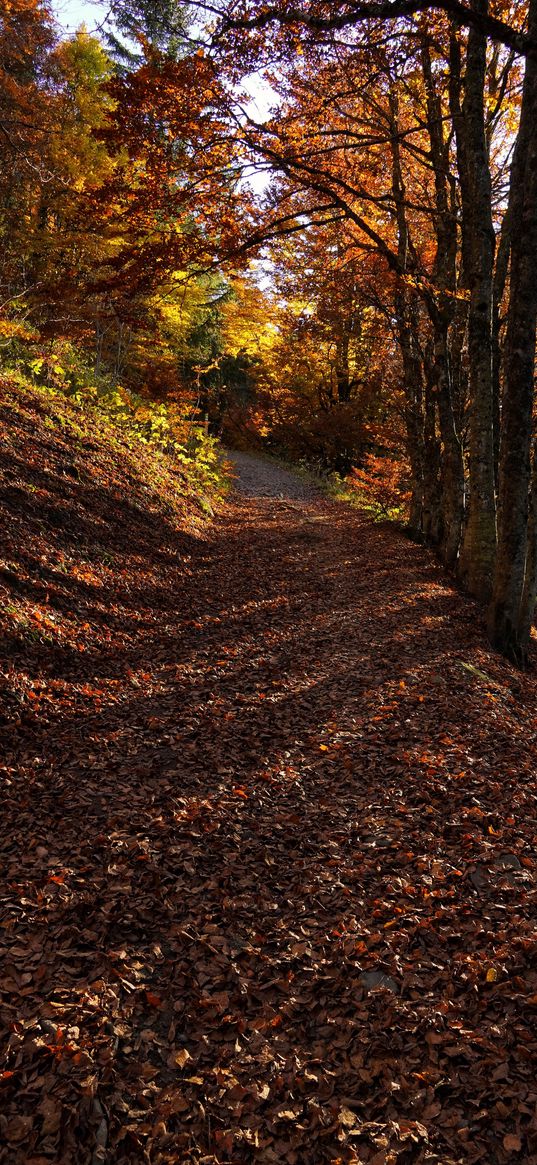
(85, 271)
(54, 101)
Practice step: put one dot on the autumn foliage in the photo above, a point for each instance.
(268, 786)
(383, 482)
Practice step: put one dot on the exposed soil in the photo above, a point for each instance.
(268, 843)
(259, 477)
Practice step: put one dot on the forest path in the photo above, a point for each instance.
(259, 477)
(274, 892)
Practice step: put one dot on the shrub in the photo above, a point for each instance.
(381, 482)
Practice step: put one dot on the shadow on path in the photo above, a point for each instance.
(269, 878)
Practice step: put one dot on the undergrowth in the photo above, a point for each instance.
(102, 497)
(365, 496)
(342, 489)
(79, 401)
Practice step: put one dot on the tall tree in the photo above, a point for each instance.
(478, 249)
(513, 600)
(26, 39)
(132, 26)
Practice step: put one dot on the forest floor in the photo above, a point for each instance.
(269, 845)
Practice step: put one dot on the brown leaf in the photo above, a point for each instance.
(347, 1118)
(51, 1113)
(18, 1128)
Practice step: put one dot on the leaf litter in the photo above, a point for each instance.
(268, 844)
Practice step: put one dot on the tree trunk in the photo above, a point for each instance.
(509, 617)
(529, 596)
(441, 312)
(452, 479)
(433, 523)
(414, 395)
(500, 281)
(343, 378)
(479, 545)
(424, 472)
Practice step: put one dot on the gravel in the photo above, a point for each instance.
(261, 478)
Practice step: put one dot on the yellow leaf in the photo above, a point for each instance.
(492, 975)
(348, 1118)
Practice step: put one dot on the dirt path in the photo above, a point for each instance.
(278, 893)
(259, 477)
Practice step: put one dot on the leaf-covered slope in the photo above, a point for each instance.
(96, 528)
(269, 848)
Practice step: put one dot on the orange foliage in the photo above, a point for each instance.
(382, 481)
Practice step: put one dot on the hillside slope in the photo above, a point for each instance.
(97, 532)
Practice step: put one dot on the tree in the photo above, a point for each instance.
(515, 581)
(132, 26)
(327, 355)
(26, 38)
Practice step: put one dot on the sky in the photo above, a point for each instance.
(72, 13)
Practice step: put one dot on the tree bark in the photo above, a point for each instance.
(452, 476)
(509, 617)
(500, 281)
(478, 242)
(529, 595)
(406, 330)
(414, 419)
(441, 311)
